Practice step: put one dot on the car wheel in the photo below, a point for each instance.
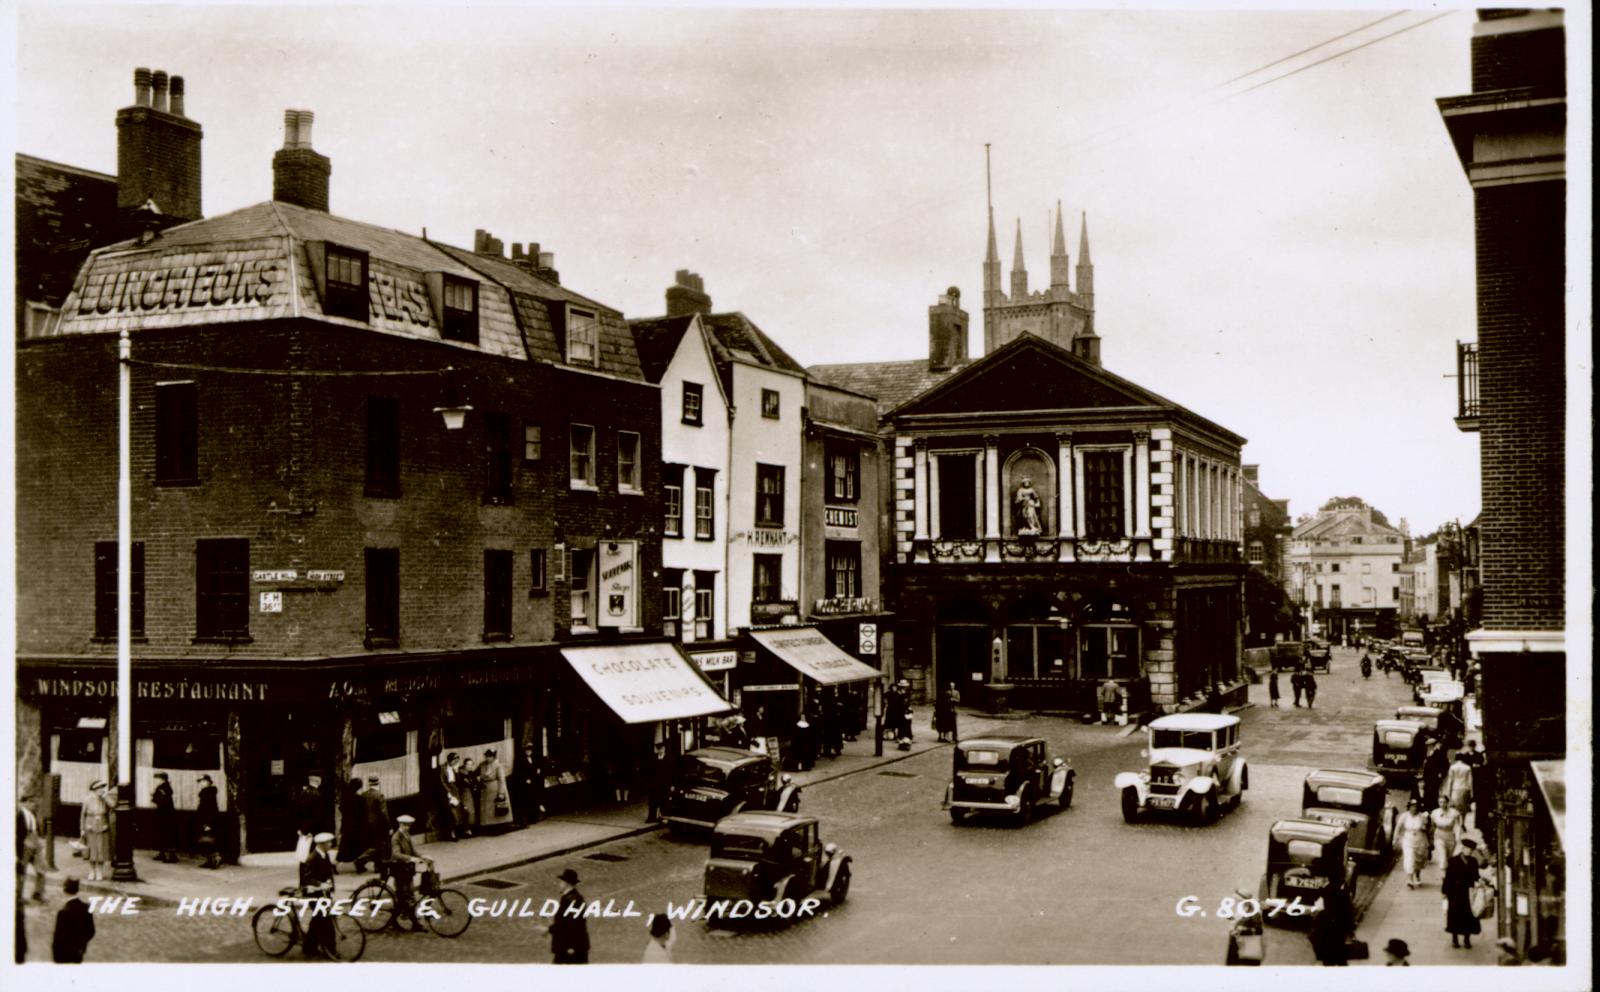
(1025, 808)
(1210, 809)
(957, 814)
(1066, 794)
(1130, 805)
(841, 886)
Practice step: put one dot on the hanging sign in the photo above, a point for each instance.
(619, 573)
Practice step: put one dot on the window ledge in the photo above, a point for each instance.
(177, 483)
(496, 638)
(629, 491)
(223, 639)
(582, 487)
(708, 540)
(112, 639)
(678, 535)
(536, 593)
(381, 493)
(498, 500)
(381, 643)
(693, 423)
(575, 631)
(767, 525)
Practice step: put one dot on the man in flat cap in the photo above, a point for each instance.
(403, 865)
(316, 879)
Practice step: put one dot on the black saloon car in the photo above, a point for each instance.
(1010, 775)
(713, 782)
(771, 866)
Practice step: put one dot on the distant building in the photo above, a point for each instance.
(1510, 135)
(1267, 527)
(1346, 568)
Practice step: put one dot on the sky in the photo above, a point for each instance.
(1293, 261)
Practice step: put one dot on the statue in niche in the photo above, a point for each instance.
(1028, 503)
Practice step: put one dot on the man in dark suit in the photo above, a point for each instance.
(74, 927)
(569, 933)
(450, 797)
(374, 824)
(166, 819)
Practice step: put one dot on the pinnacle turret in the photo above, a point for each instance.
(1019, 269)
(1058, 255)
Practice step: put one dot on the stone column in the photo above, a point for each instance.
(1066, 505)
(1077, 490)
(919, 534)
(1127, 500)
(993, 498)
(1141, 495)
(933, 497)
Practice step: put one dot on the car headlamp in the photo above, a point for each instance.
(1013, 801)
(1178, 778)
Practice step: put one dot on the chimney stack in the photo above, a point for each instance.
(1251, 473)
(947, 332)
(299, 174)
(158, 154)
(687, 295)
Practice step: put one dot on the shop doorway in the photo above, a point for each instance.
(961, 654)
(280, 752)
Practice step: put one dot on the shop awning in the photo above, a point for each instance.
(809, 652)
(1552, 779)
(643, 683)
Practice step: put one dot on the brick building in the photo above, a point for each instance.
(1055, 525)
(391, 499)
(1510, 134)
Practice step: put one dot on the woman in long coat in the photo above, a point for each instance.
(471, 791)
(944, 713)
(1459, 877)
(96, 825)
(1447, 827)
(493, 793)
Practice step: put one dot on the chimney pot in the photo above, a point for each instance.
(533, 251)
(306, 117)
(516, 251)
(547, 260)
(291, 129)
(177, 96)
(158, 84)
(141, 87)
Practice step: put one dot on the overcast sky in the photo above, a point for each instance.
(1294, 262)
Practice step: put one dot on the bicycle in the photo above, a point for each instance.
(276, 934)
(446, 909)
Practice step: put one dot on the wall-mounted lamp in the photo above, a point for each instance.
(455, 417)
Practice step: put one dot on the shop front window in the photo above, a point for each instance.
(1108, 652)
(1035, 651)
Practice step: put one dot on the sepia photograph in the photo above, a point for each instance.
(522, 485)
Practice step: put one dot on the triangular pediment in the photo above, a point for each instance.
(1029, 373)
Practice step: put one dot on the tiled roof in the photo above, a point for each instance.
(62, 212)
(657, 339)
(534, 297)
(736, 332)
(890, 383)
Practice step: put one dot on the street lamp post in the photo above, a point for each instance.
(122, 869)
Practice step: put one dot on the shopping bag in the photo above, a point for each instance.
(1482, 899)
(1356, 950)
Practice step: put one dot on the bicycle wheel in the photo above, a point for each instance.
(347, 940)
(449, 916)
(380, 906)
(273, 934)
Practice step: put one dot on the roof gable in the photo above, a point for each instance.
(658, 340)
(1030, 373)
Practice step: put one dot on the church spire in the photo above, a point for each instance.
(1058, 255)
(991, 261)
(1019, 269)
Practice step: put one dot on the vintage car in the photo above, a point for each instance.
(1306, 859)
(771, 866)
(1398, 748)
(1357, 801)
(1319, 654)
(1195, 768)
(1425, 715)
(1288, 655)
(1424, 679)
(713, 782)
(1009, 775)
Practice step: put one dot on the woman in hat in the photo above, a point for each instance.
(1412, 829)
(1460, 875)
(96, 826)
(494, 803)
(1396, 953)
(1447, 827)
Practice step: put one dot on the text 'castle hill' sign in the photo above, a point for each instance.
(215, 281)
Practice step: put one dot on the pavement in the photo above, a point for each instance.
(260, 877)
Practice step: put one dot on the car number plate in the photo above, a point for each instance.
(1302, 882)
(1162, 802)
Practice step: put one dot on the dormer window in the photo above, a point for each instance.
(460, 310)
(583, 337)
(346, 293)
